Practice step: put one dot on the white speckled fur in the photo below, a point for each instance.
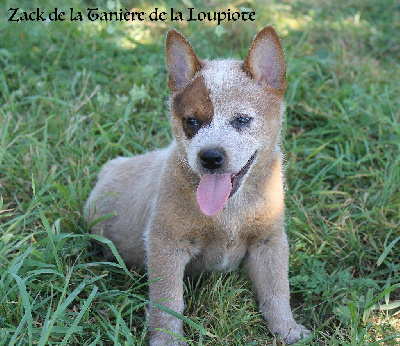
(219, 77)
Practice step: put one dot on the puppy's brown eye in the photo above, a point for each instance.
(241, 121)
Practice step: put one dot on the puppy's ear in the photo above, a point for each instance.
(182, 62)
(265, 60)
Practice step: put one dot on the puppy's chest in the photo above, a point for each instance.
(218, 249)
(217, 256)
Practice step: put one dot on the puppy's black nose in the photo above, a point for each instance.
(212, 158)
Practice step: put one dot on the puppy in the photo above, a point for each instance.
(215, 196)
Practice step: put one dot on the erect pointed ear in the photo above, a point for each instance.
(182, 62)
(265, 60)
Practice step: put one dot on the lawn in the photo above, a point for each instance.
(75, 94)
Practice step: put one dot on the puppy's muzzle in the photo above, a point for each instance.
(212, 159)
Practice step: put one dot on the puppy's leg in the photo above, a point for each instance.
(267, 265)
(166, 269)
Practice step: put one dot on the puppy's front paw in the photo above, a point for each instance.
(293, 333)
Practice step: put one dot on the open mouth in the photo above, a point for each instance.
(214, 189)
(236, 178)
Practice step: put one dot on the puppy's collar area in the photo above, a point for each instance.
(214, 189)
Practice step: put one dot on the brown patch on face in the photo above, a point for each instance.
(193, 106)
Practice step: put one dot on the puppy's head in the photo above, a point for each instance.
(226, 114)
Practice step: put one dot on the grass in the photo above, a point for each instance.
(75, 94)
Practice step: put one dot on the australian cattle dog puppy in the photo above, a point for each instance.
(215, 196)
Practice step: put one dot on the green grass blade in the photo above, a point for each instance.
(114, 251)
(387, 250)
(61, 308)
(78, 318)
(27, 318)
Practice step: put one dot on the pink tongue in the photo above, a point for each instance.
(213, 191)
